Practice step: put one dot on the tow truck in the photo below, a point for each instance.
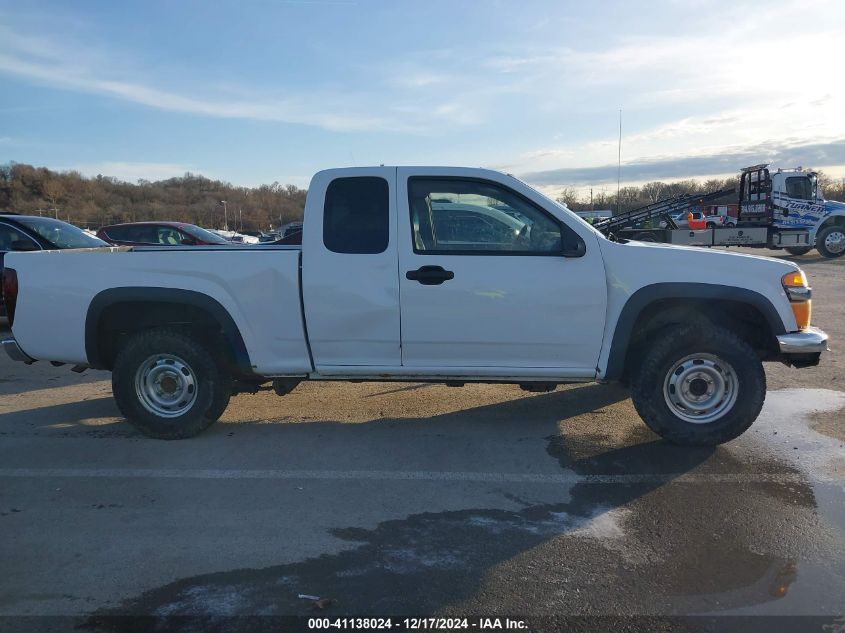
(780, 210)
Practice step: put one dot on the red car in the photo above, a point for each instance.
(159, 234)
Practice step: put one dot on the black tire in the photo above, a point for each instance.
(208, 386)
(798, 250)
(220, 403)
(821, 239)
(650, 388)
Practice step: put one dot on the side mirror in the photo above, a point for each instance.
(576, 247)
(24, 245)
(572, 245)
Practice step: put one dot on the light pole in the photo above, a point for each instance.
(225, 216)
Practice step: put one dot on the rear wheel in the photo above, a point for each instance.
(798, 250)
(830, 241)
(699, 385)
(168, 385)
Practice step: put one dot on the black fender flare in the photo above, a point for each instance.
(647, 295)
(176, 296)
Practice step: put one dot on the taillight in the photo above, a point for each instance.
(10, 292)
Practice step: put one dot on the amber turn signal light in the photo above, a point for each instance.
(796, 288)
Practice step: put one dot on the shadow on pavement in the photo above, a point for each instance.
(603, 549)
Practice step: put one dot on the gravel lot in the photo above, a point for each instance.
(420, 500)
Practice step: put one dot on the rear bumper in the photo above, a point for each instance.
(15, 352)
(802, 349)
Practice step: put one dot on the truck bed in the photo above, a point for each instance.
(258, 285)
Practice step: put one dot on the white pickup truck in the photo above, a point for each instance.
(425, 274)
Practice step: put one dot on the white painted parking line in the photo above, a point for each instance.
(415, 475)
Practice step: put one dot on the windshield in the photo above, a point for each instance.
(203, 234)
(801, 187)
(61, 234)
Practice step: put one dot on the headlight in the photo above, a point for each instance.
(799, 293)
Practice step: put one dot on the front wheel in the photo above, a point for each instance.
(798, 250)
(168, 385)
(699, 385)
(830, 241)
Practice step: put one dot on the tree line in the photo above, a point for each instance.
(102, 200)
(635, 197)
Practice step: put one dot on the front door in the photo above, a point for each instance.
(485, 285)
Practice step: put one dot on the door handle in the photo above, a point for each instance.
(430, 275)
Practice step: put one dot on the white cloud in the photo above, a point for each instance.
(723, 81)
(69, 76)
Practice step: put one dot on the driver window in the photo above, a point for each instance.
(473, 217)
(169, 236)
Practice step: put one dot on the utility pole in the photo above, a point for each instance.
(225, 216)
(241, 219)
(619, 165)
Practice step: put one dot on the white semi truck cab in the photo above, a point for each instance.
(791, 200)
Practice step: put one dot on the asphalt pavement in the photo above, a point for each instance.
(418, 500)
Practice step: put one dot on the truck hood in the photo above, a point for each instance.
(834, 206)
(632, 265)
(697, 253)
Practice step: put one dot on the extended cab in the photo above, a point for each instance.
(437, 274)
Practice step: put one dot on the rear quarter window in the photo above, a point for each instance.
(356, 215)
(117, 232)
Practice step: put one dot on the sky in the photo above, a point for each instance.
(260, 91)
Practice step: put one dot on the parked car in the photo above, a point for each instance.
(159, 234)
(290, 228)
(717, 220)
(234, 237)
(679, 218)
(35, 233)
(696, 221)
(460, 224)
(289, 235)
(181, 330)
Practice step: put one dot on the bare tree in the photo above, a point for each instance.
(569, 197)
(53, 191)
(654, 191)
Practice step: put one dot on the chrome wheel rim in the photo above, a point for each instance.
(166, 385)
(835, 241)
(700, 388)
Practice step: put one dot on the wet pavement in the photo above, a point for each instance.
(418, 500)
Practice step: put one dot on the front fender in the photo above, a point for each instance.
(647, 295)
